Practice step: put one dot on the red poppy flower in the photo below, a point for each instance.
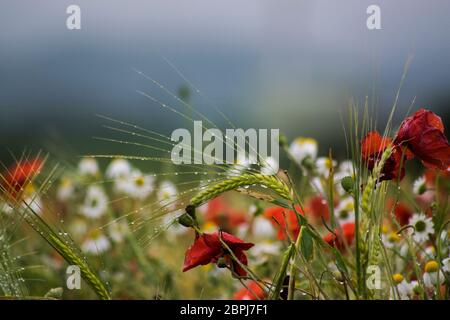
(423, 135)
(254, 292)
(207, 248)
(221, 214)
(403, 213)
(319, 208)
(19, 175)
(284, 220)
(345, 233)
(372, 147)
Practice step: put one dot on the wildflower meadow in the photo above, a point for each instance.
(210, 209)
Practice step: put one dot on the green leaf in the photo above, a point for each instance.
(307, 244)
(340, 263)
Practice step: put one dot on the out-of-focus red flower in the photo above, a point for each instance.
(285, 220)
(207, 248)
(19, 175)
(345, 233)
(372, 147)
(223, 215)
(254, 292)
(319, 208)
(423, 135)
(403, 213)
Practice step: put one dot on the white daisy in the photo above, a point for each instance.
(423, 227)
(88, 167)
(96, 243)
(403, 290)
(262, 228)
(167, 193)
(139, 186)
(118, 168)
(269, 166)
(345, 211)
(317, 185)
(432, 276)
(446, 265)
(78, 227)
(175, 229)
(242, 163)
(95, 203)
(66, 189)
(346, 168)
(428, 254)
(263, 250)
(391, 239)
(118, 230)
(420, 186)
(302, 148)
(323, 165)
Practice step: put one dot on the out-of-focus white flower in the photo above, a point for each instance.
(118, 168)
(403, 290)
(96, 243)
(446, 265)
(96, 203)
(139, 186)
(428, 254)
(390, 239)
(167, 193)
(175, 229)
(432, 276)
(269, 166)
(324, 165)
(118, 230)
(345, 211)
(263, 250)
(262, 228)
(78, 227)
(242, 163)
(423, 227)
(66, 189)
(316, 184)
(445, 242)
(88, 167)
(420, 186)
(302, 148)
(346, 168)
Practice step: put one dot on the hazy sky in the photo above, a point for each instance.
(287, 64)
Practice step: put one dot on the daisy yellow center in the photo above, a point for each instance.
(397, 278)
(140, 181)
(431, 266)
(95, 234)
(394, 237)
(302, 141)
(420, 226)
(384, 229)
(328, 163)
(343, 214)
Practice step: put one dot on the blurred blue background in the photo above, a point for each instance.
(292, 65)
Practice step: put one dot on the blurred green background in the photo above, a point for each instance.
(292, 65)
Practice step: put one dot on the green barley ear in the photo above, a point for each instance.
(247, 179)
(67, 250)
(63, 245)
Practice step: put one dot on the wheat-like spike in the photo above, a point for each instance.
(246, 179)
(86, 272)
